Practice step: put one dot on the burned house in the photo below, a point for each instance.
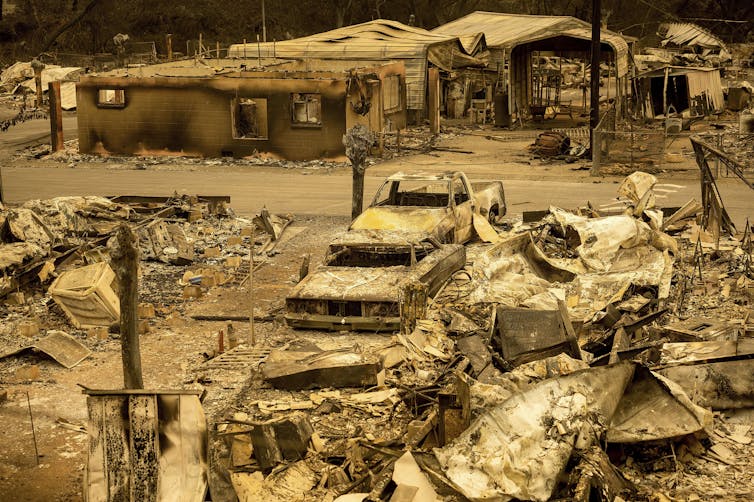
(686, 91)
(516, 44)
(376, 42)
(286, 110)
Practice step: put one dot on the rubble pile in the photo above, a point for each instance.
(592, 354)
(563, 362)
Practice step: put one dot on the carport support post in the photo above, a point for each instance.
(125, 260)
(56, 117)
(594, 93)
(434, 100)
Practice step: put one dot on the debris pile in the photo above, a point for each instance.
(561, 362)
(61, 295)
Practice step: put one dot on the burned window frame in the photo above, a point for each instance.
(119, 91)
(262, 119)
(398, 94)
(305, 98)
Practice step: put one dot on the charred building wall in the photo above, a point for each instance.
(294, 115)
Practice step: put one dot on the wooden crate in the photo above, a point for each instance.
(88, 295)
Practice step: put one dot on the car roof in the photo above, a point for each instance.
(423, 176)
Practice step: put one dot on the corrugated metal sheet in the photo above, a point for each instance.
(709, 85)
(506, 31)
(379, 40)
(688, 34)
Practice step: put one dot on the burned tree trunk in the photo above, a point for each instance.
(125, 261)
(357, 141)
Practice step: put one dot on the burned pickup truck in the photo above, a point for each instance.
(358, 286)
(443, 205)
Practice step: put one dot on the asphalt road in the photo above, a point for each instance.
(310, 192)
(285, 191)
(34, 132)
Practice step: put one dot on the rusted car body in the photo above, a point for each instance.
(443, 205)
(358, 286)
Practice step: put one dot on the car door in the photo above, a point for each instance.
(463, 210)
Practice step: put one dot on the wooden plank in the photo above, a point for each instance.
(570, 333)
(116, 448)
(96, 465)
(125, 392)
(144, 445)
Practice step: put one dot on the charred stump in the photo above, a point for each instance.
(357, 141)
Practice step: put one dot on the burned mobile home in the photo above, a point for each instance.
(285, 110)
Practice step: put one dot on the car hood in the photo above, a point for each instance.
(407, 219)
(352, 283)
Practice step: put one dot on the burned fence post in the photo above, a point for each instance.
(357, 141)
(38, 66)
(125, 260)
(56, 117)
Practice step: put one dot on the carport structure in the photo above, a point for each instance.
(514, 39)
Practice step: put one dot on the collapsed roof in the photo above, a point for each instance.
(506, 31)
(688, 34)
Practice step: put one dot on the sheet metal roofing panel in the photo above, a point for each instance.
(502, 30)
(688, 34)
(507, 30)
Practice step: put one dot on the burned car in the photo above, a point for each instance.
(358, 286)
(444, 204)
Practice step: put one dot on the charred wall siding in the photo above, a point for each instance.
(192, 116)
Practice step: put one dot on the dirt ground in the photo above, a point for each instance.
(176, 350)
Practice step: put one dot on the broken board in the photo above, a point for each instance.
(305, 370)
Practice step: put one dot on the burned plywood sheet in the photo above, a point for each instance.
(686, 352)
(88, 295)
(525, 335)
(294, 370)
(146, 445)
